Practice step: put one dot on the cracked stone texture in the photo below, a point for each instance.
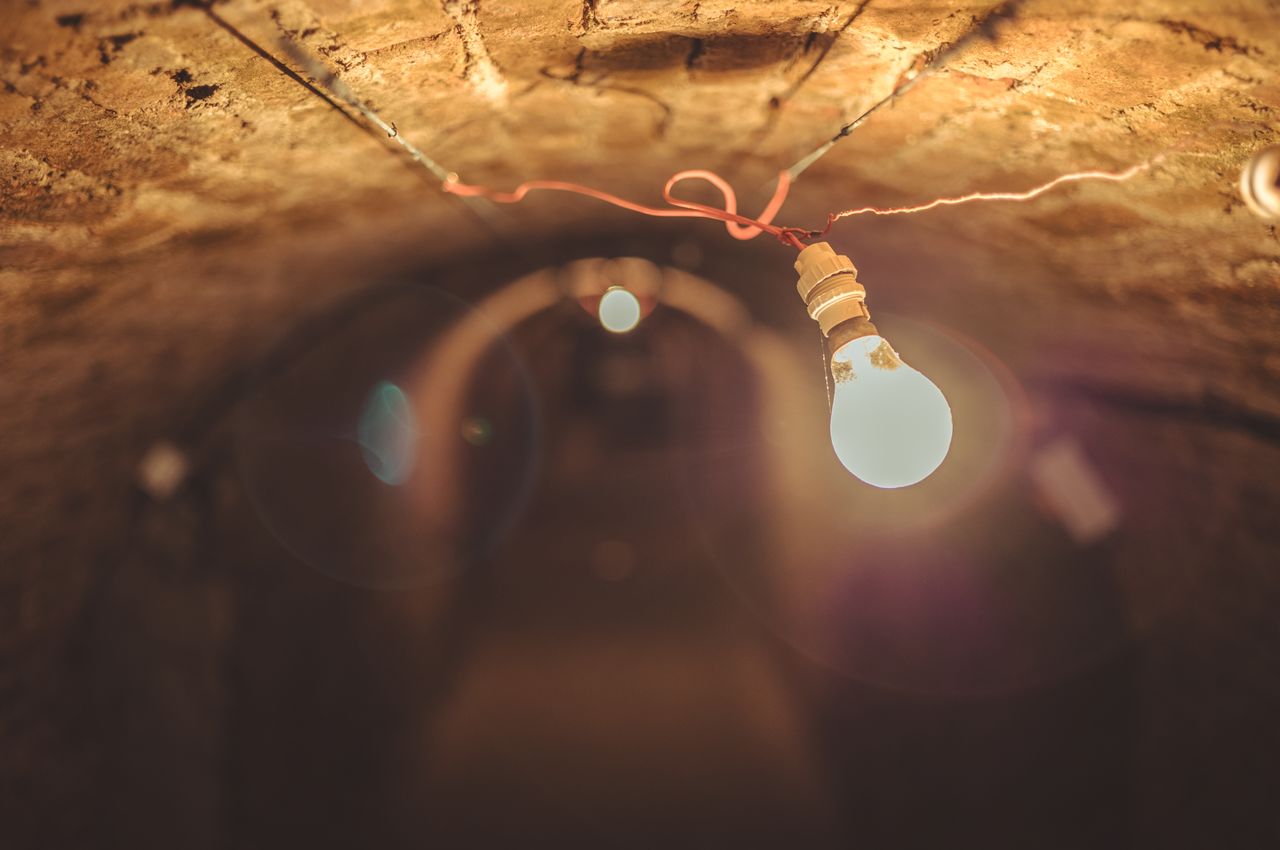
(171, 200)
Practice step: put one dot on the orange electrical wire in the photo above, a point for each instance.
(744, 227)
(1075, 176)
(739, 226)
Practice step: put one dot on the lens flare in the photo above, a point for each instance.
(387, 434)
(477, 430)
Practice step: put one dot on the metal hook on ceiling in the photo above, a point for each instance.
(1260, 184)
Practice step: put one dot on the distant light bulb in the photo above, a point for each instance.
(619, 310)
(890, 425)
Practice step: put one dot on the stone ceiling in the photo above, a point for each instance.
(172, 194)
(135, 133)
(175, 193)
(134, 128)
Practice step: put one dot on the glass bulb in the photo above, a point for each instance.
(619, 310)
(890, 426)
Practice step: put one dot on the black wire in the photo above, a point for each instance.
(934, 62)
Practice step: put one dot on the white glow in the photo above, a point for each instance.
(619, 310)
(890, 426)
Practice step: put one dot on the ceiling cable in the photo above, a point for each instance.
(738, 226)
(925, 65)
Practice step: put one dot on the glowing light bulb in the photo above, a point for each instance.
(890, 425)
(619, 310)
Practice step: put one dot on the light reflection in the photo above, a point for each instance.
(387, 434)
(477, 430)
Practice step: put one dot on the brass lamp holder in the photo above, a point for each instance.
(836, 301)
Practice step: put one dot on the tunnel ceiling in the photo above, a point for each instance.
(134, 129)
(172, 196)
(145, 141)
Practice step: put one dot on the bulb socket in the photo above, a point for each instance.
(1260, 184)
(847, 332)
(829, 286)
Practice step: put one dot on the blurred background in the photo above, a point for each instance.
(331, 515)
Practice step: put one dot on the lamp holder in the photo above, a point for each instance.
(836, 301)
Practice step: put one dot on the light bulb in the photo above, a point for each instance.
(890, 425)
(619, 310)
